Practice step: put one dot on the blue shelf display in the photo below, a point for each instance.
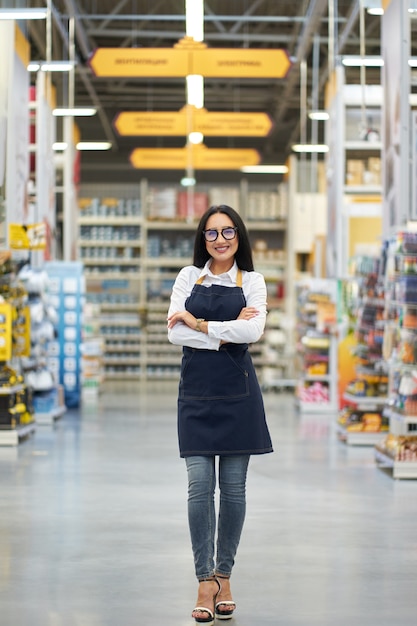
(66, 293)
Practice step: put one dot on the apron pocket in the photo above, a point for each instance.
(212, 375)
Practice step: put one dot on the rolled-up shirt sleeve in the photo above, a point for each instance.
(233, 331)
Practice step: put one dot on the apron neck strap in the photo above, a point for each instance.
(200, 280)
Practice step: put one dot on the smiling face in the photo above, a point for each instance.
(222, 250)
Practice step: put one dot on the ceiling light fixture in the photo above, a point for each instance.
(59, 146)
(24, 14)
(75, 112)
(194, 19)
(318, 115)
(195, 90)
(368, 61)
(196, 137)
(264, 169)
(309, 147)
(373, 7)
(50, 66)
(93, 145)
(187, 181)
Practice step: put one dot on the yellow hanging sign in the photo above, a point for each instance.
(175, 123)
(135, 62)
(190, 57)
(27, 236)
(241, 63)
(203, 158)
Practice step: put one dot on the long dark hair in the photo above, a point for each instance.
(243, 255)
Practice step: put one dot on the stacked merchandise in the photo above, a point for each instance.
(361, 420)
(316, 349)
(92, 349)
(37, 368)
(398, 450)
(16, 409)
(276, 370)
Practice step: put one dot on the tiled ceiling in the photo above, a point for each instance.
(302, 27)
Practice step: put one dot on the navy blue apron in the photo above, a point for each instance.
(220, 406)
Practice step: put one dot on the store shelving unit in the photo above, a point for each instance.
(398, 451)
(316, 347)
(354, 170)
(11, 435)
(110, 246)
(131, 262)
(361, 419)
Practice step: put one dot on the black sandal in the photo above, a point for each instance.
(229, 605)
(209, 620)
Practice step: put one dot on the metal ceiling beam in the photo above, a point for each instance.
(342, 42)
(176, 35)
(315, 15)
(82, 41)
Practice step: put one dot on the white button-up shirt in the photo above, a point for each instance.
(233, 331)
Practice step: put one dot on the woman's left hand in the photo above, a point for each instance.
(182, 316)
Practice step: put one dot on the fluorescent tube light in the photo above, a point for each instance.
(75, 112)
(412, 62)
(318, 115)
(375, 11)
(51, 66)
(93, 145)
(194, 19)
(196, 137)
(24, 14)
(59, 146)
(357, 61)
(309, 147)
(195, 90)
(264, 169)
(57, 66)
(187, 181)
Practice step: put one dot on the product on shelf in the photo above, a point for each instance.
(356, 420)
(400, 448)
(316, 345)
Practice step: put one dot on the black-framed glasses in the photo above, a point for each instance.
(227, 233)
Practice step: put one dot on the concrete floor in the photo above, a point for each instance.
(93, 527)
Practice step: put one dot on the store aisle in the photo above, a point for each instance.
(93, 525)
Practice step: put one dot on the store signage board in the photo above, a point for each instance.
(172, 123)
(140, 62)
(190, 57)
(27, 236)
(203, 158)
(241, 63)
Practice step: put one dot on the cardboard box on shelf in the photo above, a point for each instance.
(162, 203)
(354, 171)
(199, 204)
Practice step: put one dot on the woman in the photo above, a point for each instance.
(218, 307)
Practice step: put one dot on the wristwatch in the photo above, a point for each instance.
(198, 327)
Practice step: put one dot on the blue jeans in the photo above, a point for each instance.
(232, 472)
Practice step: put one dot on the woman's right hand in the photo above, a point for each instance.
(247, 313)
